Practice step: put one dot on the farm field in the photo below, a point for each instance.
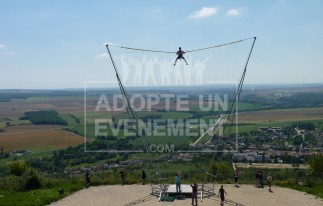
(281, 115)
(37, 138)
(17, 107)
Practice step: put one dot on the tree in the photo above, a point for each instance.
(223, 170)
(31, 177)
(316, 164)
(17, 168)
(33, 181)
(298, 140)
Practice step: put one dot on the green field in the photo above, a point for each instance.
(242, 106)
(169, 140)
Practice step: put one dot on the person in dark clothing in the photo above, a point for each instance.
(236, 176)
(122, 176)
(257, 178)
(194, 193)
(261, 178)
(180, 56)
(221, 194)
(143, 177)
(87, 179)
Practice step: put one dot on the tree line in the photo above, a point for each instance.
(44, 117)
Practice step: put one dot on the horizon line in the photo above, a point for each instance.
(164, 86)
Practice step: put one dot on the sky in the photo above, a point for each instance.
(61, 44)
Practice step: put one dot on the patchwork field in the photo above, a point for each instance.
(71, 108)
(37, 138)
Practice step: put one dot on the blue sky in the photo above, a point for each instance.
(57, 44)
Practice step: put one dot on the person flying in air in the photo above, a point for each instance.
(180, 56)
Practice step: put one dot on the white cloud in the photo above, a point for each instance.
(5, 51)
(203, 12)
(102, 55)
(235, 12)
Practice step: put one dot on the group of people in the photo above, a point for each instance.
(194, 188)
(259, 179)
(221, 194)
(123, 176)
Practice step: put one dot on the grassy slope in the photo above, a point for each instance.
(38, 197)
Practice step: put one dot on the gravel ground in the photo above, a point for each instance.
(128, 195)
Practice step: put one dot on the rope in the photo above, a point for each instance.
(148, 50)
(220, 45)
(231, 115)
(194, 50)
(130, 111)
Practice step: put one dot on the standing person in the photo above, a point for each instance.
(269, 180)
(180, 55)
(122, 176)
(257, 178)
(143, 177)
(178, 184)
(261, 178)
(194, 193)
(236, 176)
(87, 179)
(221, 194)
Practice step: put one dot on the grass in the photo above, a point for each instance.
(38, 197)
(17, 121)
(48, 193)
(169, 140)
(13, 121)
(70, 121)
(314, 188)
(175, 115)
(4, 162)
